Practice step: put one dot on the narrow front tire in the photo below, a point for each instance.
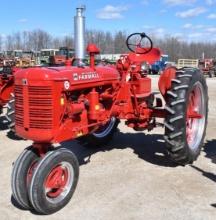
(54, 181)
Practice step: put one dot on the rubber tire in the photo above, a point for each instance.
(175, 121)
(211, 74)
(36, 189)
(154, 72)
(18, 177)
(10, 113)
(93, 141)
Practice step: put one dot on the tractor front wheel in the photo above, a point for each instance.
(102, 135)
(54, 181)
(186, 119)
(21, 176)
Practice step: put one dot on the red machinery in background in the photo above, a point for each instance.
(86, 102)
(208, 67)
(6, 92)
(64, 55)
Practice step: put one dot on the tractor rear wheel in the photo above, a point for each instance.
(54, 181)
(186, 119)
(101, 136)
(21, 176)
(10, 114)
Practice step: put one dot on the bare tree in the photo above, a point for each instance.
(17, 41)
(9, 43)
(108, 43)
(109, 46)
(56, 43)
(68, 41)
(119, 42)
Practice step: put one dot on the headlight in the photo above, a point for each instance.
(144, 67)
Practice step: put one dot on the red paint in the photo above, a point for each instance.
(192, 116)
(165, 80)
(6, 86)
(64, 103)
(151, 57)
(92, 49)
(56, 181)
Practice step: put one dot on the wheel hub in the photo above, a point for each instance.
(195, 120)
(56, 181)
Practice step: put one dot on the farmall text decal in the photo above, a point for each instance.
(85, 76)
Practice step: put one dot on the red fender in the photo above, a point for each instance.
(151, 57)
(5, 92)
(165, 79)
(6, 88)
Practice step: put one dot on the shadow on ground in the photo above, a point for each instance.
(3, 123)
(210, 153)
(11, 135)
(4, 126)
(210, 150)
(146, 147)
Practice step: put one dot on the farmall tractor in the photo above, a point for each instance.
(86, 103)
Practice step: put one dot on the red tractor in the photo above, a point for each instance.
(62, 56)
(208, 67)
(87, 102)
(6, 92)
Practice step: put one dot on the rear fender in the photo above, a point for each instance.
(150, 57)
(5, 92)
(165, 79)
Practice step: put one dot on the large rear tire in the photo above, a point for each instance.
(186, 119)
(10, 114)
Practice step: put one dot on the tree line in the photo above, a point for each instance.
(107, 42)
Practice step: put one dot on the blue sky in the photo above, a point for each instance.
(193, 20)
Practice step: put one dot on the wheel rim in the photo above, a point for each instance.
(31, 171)
(59, 182)
(103, 131)
(196, 117)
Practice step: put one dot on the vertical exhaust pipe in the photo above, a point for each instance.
(79, 33)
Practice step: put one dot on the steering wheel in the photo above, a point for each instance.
(137, 43)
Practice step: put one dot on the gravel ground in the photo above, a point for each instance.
(131, 178)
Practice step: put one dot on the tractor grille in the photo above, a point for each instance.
(39, 104)
(40, 107)
(18, 90)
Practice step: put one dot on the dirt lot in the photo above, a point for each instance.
(128, 179)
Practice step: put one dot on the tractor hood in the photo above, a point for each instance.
(75, 75)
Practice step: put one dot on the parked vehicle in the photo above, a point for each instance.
(26, 59)
(64, 54)
(86, 103)
(10, 58)
(159, 65)
(193, 63)
(208, 67)
(6, 91)
(46, 54)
